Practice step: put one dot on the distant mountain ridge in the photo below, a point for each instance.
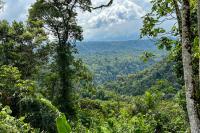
(109, 59)
(130, 46)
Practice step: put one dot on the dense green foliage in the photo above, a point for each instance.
(109, 60)
(153, 111)
(99, 110)
(59, 17)
(137, 84)
(10, 124)
(24, 101)
(184, 48)
(109, 87)
(19, 43)
(170, 38)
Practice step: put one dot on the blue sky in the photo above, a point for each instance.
(121, 21)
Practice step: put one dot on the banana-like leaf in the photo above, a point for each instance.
(62, 124)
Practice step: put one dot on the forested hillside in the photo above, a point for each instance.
(108, 60)
(138, 83)
(54, 81)
(134, 47)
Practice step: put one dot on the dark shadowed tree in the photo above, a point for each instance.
(59, 17)
(21, 45)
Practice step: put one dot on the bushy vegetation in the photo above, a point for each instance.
(109, 60)
(46, 87)
(98, 109)
(138, 83)
(153, 111)
(9, 124)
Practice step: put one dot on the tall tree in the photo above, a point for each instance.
(59, 17)
(163, 11)
(188, 71)
(198, 17)
(21, 46)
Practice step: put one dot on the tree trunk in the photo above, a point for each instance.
(63, 62)
(178, 15)
(188, 72)
(198, 17)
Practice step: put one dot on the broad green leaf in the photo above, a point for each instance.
(62, 124)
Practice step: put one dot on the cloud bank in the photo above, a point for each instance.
(119, 12)
(121, 21)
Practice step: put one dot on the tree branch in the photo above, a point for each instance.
(102, 6)
(178, 15)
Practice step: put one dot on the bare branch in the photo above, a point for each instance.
(164, 20)
(102, 6)
(179, 16)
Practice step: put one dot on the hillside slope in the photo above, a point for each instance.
(137, 84)
(107, 60)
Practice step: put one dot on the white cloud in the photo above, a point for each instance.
(121, 11)
(15, 9)
(121, 20)
(124, 31)
(116, 14)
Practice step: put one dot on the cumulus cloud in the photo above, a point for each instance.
(121, 11)
(120, 21)
(124, 31)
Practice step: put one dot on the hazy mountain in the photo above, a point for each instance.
(110, 59)
(131, 46)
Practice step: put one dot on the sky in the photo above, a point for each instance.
(121, 21)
